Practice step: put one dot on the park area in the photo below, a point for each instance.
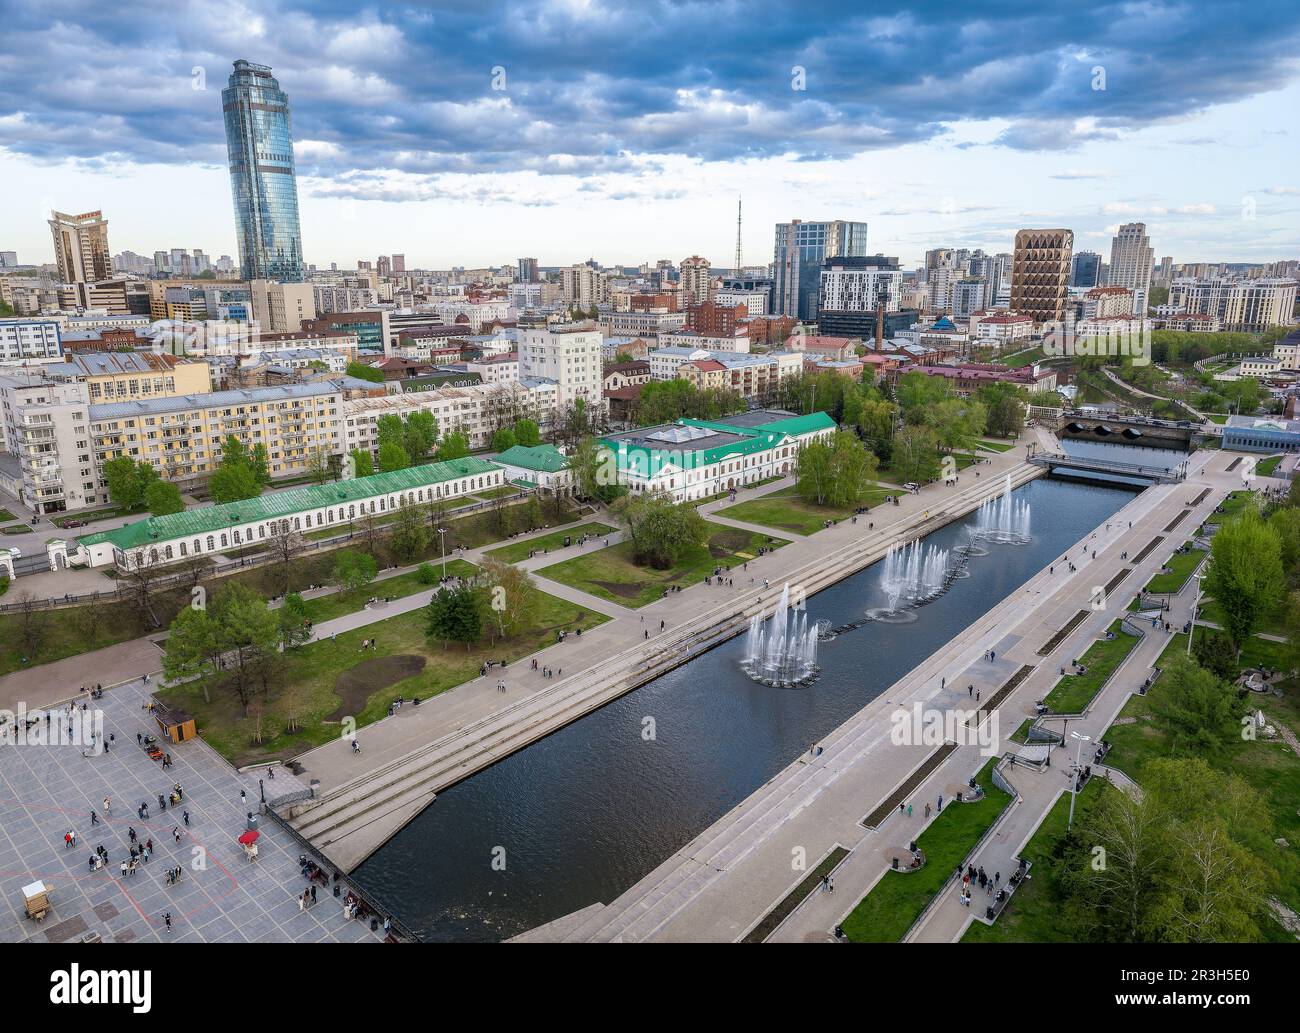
(784, 510)
(323, 682)
(613, 574)
(1179, 568)
(1073, 692)
(895, 902)
(516, 552)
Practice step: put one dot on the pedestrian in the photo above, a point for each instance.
(927, 812)
(243, 798)
(167, 921)
(94, 818)
(313, 894)
(106, 805)
(356, 746)
(186, 816)
(909, 810)
(939, 806)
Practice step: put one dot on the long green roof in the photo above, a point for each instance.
(797, 425)
(546, 458)
(285, 503)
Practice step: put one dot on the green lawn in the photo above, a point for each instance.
(15, 529)
(97, 514)
(6, 515)
(332, 679)
(516, 551)
(1217, 417)
(996, 446)
(786, 511)
(1270, 767)
(339, 604)
(886, 913)
(611, 573)
(1272, 623)
(501, 491)
(1181, 565)
(1031, 916)
(1265, 467)
(1074, 692)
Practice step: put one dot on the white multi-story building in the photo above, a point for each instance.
(696, 284)
(476, 312)
(281, 307)
(755, 301)
(584, 287)
(29, 340)
(1243, 306)
(334, 298)
(849, 287)
(1108, 302)
(568, 354)
(737, 342)
(1000, 327)
(47, 429)
(1131, 256)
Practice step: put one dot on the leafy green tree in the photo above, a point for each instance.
(1245, 574)
(454, 446)
(420, 435)
(392, 456)
(455, 615)
(660, 529)
(162, 498)
(363, 465)
(510, 598)
(915, 454)
(234, 642)
(956, 422)
(410, 535)
(128, 481)
(427, 574)
(353, 570)
(293, 617)
(318, 465)
(1214, 651)
(233, 484)
(837, 472)
(1197, 710)
(916, 392)
(503, 439)
(595, 471)
(527, 433)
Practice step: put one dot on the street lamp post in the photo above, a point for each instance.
(1074, 778)
(442, 538)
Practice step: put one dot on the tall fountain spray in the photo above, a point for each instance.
(783, 650)
(1003, 520)
(914, 574)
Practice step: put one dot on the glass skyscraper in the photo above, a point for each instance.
(801, 248)
(259, 143)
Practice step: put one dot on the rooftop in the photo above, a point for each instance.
(543, 458)
(286, 503)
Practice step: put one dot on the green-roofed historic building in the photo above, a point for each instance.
(540, 466)
(693, 459)
(234, 525)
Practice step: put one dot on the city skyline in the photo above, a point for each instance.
(508, 151)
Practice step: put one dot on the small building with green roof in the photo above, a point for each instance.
(694, 459)
(213, 530)
(536, 466)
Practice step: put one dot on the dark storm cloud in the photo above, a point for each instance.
(594, 88)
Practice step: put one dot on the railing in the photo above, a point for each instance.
(1051, 459)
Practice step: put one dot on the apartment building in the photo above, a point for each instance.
(47, 437)
(1243, 306)
(569, 354)
(29, 340)
(282, 307)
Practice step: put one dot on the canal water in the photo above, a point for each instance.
(580, 816)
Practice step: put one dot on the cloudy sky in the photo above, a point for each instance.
(471, 134)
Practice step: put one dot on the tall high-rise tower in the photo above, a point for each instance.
(1131, 256)
(81, 247)
(1040, 273)
(801, 248)
(259, 143)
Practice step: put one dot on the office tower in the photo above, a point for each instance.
(8, 259)
(281, 307)
(1131, 256)
(399, 264)
(259, 143)
(801, 249)
(1040, 273)
(527, 272)
(384, 266)
(81, 247)
(1085, 270)
(695, 281)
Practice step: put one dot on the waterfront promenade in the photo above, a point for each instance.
(407, 758)
(727, 879)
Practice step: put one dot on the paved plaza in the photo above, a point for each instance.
(45, 791)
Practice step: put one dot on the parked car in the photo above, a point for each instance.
(74, 523)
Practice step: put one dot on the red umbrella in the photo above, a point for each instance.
(249, 837)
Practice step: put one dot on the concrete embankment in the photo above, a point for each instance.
(350, 821)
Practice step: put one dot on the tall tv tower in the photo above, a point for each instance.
(736, 271)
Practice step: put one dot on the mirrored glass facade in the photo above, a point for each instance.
(259, 143)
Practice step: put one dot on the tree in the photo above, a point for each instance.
(956, 422)
(260, 463)
(503, 439)
(235, 641)
(420, 435)
(1245, 574)
(595, 471)
(284, 545)
(836, 472)
(454, 446)
(1197, 710)
(454, 615)
(392, 456)
(318, 465)
(233, 484)
(128, 481)
(916, 392)
(410, 536)
(659, 529)
(140, 582)
(511, 597)
(362, 463)
(1214, 651)
(162, 498)
(353, 570)
(31, 625)
(915, 454)
(527, 433)
(293, 620)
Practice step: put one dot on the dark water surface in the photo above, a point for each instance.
(585, 813)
